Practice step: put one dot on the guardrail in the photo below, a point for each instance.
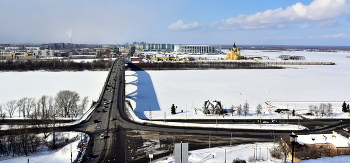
(106, 82)
(298, 63)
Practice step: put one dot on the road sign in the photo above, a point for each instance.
(150, 155)
(181, 152)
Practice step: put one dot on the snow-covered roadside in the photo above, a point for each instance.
(135, 118)
(217, 154)
(86, 116)
(244, 152)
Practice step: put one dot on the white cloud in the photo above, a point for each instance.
(329, 23)
(305, 25)
(339, 35)
(285, 37)
(214, 23)
(323, 11)
(318, 10)
(179, 25)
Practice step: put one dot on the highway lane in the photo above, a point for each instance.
(102, 144)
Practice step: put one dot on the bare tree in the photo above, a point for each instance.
(231, 109)
(322, 109)
(239, 109)
(11, 107)
(83, 104)
(285, 146)
(43, 105)
(329, 109)
(30, 105)
(51, 107)
(21, 105)
(316, 110)
(66, 101)
(258, 109)
(2, 116)
(311, 109)
(245, 108)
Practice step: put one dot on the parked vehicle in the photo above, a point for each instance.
(281, 110)
(274, 121)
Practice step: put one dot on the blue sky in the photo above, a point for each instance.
(247, 22)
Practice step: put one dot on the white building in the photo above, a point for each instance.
(197, 49)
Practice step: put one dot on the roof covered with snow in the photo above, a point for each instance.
(336, 139)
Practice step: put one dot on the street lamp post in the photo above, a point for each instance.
(293, 140)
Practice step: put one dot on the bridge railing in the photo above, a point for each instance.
(106, 82)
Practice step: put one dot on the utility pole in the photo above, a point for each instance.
(231, 140)
(267, 155)
(260, 153)
(209, 140)
(71, 154)
(254, 155)
(260, 121)
(186, 111)
(256, 149)
(164, 116)
(150, 112)
(288, 116)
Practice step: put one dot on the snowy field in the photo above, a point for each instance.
(244, 152)
(16, 85)
(158, 90)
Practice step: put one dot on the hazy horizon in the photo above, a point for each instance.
(253, 22)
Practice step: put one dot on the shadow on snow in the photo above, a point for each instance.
(145, 95)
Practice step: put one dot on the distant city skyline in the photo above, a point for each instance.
(251, 22)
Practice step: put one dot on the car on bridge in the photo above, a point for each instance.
(95, 121)
(90, 156)
(266, 122)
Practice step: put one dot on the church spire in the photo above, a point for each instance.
(234, 44)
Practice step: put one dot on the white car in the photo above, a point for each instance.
(345, 129)
(102, 136)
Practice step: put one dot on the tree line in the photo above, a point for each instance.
(244, 109)
(323, 109)
(199, 66)
(43, 112)
(54, 65)
(65, 104)
(22, 144)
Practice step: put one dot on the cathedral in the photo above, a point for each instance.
(233, 53)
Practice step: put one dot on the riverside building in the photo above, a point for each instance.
(197, 49)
